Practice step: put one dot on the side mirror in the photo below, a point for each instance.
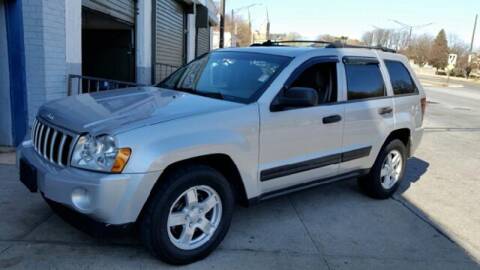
(295, 97)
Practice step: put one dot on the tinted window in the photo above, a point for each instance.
(400, 78)
(235, 76)
(322, 78)
(364, 81)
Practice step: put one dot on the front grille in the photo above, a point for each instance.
(52, 143)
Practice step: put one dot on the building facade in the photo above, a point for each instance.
(44, 42)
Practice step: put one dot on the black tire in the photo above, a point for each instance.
(371, 184)
(153, 224)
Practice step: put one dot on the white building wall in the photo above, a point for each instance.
(73, 37)
(191, 28)
(143, 29)
(227, 38)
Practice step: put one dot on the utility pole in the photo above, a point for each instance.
(268, 26)
(234, 25)
(473, 34)
(233, 36)
(222, 25)
(250, 26)
(410, 29)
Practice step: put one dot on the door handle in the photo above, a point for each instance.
(385, 110)
(332, 119)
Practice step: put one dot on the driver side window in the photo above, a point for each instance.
(322, 78)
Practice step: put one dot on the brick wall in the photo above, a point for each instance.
(44, 34)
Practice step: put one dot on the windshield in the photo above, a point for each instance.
(235, 76)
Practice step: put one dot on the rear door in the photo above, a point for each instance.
(368, 112)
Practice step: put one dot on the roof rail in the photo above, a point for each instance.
(328, 44)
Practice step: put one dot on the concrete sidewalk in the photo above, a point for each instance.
(433, 222)
(330, 227)
(7, 155)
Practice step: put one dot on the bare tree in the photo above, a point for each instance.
(343, 39)
(419, 49)
(243, 29)
(392, 38)
(368, 38)
(293, 36)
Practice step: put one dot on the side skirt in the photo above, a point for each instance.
(302, 186)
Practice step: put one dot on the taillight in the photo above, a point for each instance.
(423, 105)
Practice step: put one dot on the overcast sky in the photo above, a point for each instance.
(353, 17)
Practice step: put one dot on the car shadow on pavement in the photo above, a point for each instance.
(329, 227)
(415, 168)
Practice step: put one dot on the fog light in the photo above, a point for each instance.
(81, 198)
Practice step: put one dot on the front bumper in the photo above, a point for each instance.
(112, 198)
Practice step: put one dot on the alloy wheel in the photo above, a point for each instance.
(391, 169)
(194, 217)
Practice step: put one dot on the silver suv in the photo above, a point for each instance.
(235, 125)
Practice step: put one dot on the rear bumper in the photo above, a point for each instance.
(416, 138)
(112, 198)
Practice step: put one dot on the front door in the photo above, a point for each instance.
(301, 145)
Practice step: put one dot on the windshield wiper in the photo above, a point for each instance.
(187, 90)
(216, 95)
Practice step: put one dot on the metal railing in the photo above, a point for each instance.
(78, 84)
(162, 71)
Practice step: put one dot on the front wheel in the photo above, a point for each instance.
(387, 172)
(188, 216)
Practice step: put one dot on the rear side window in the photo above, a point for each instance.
(364, 80)
(402, 82)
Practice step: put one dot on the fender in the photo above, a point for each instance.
(233, 133)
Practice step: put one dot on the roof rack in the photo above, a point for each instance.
(328, 44)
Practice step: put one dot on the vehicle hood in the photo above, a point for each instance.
(125, 109)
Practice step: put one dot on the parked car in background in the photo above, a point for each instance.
(235, 125)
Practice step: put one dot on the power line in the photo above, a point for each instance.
(411, 27)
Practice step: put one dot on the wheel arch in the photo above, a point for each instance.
(402, 134)
(220, 162)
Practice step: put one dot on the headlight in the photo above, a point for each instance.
(99, 154)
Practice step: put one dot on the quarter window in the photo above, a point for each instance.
(402, 82)
(364, 80)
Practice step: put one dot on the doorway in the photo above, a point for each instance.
(108, 49)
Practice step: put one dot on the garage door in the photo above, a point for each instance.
(203, 40)
(169, 37)
(121, 9)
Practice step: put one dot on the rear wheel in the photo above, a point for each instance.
(387, 172)
(188, 216)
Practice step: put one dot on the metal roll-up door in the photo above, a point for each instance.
(121, 9)
(203, 40)
(169, 37)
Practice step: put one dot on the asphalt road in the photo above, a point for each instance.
(433, 222)
(432, 81)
